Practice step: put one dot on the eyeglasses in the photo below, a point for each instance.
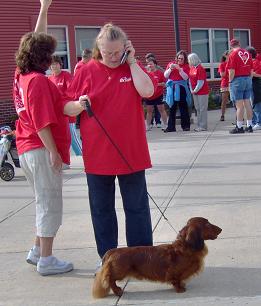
(112, 54)
(181, 58)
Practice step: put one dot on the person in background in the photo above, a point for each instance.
(62, 80)
(42, 139)
(157, 98)
(156, 116)
(240, 69)
(256, 83)
(177, 73)
(222, 69)
(199, 89)
(115, 92)
(86, 57)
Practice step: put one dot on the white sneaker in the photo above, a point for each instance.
(158, 125)
(256, 127)
(199, 129)
(65, 166)
(56, 266)
(164, 126)
(33, 257)
(98, 267)
(148, 128)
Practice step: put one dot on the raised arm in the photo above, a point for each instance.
(141, 80)
(41, 24)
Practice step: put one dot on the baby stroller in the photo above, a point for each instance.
(7, 150)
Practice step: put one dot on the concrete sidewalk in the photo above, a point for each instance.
(211, 174)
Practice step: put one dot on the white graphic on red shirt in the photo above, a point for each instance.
(18, 98)
(125, 79)
(244, 56)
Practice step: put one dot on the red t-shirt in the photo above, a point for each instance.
(198, 73)
(39, 104)
(158, 75)
(78, 66)
(174, 75)
(224, 80)
(241, 61)
(257, 66)
(118, 106)
(63, 81)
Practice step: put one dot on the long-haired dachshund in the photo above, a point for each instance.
(167, 263)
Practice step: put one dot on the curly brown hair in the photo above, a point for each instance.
(35, 52)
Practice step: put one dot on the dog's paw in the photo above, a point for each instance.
(180, 289)
(118, 291)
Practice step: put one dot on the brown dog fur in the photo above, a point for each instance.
(167, 263)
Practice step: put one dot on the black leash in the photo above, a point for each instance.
(91, 114)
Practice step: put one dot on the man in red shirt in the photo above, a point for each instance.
(86, 57)
(240, 69)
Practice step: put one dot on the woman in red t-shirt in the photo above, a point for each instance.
(177, 71)
(222, 69)
(117, 145)
(199, 89)
(256, 83)
(157, 98)
(42, 138)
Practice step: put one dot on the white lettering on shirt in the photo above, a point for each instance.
(125, 79)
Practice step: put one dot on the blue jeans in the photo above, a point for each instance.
(257, 114)
(76, 142)
(135, 204)
(241, 88)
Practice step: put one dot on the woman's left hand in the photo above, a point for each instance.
(83, 99)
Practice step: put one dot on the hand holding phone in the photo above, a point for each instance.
(124, 57)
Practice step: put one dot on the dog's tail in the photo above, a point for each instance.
(101, 286)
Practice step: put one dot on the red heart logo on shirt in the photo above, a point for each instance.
(244, 56)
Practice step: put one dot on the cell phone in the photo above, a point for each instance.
(124, 57)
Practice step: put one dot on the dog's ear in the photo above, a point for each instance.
(194, 238)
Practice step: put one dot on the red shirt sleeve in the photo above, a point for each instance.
(79, 85)
(201, 73)
(40, 104)
(186, 68)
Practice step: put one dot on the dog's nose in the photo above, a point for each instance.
(219, 230)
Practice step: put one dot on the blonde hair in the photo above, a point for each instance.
(111, 32)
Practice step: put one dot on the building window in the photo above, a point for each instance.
(62, 49)
(210, 44)
(85, 37)
(243, 36)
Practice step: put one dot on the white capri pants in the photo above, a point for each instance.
(47, 187)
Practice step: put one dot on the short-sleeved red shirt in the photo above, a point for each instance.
(198, 73)
(257, 66)
(158, 75)
(174, 75)
(224, 80)
(118, 107)
(241, 61)
(39, 104)
(62, 81)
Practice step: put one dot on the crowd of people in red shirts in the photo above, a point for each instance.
(240, 71)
